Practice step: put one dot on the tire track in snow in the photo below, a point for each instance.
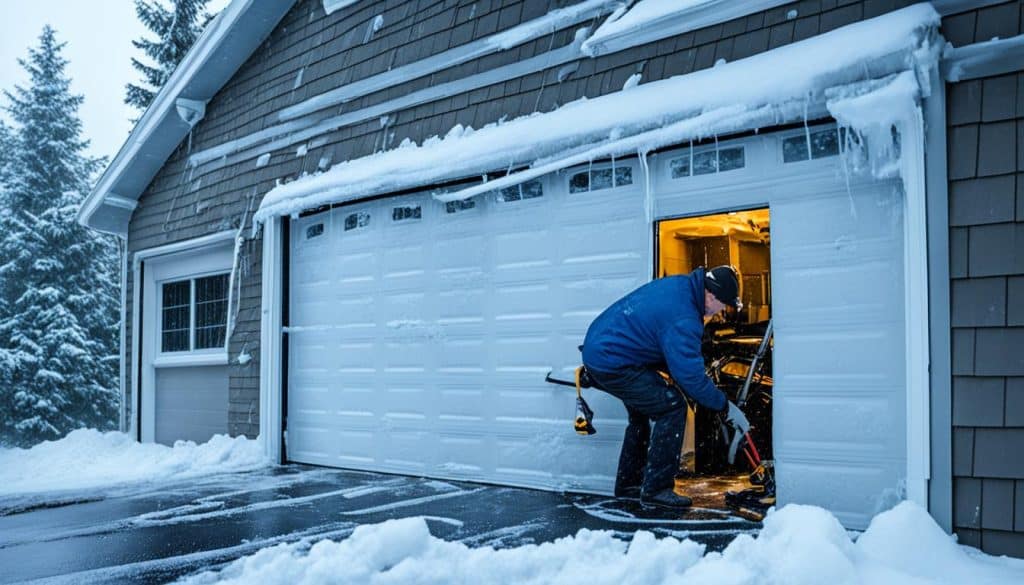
(411, 502)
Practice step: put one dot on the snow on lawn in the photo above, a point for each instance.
(799, 544)
(88, 459)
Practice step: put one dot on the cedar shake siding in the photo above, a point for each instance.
(985, 129)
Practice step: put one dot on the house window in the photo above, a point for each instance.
(823, 143)
(459, 205)
(194, 314)
(405, 213)
(357, 220)
(708, 162)
(596, 179)
(527, 190)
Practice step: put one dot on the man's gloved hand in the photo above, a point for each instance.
(735, 417)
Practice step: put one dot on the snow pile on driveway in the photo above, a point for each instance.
(87, 459)
(798, 545)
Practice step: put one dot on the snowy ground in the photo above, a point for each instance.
(130, 513)
(89, 460)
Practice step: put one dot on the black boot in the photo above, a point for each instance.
(667, 498)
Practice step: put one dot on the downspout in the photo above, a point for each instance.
(122, 247)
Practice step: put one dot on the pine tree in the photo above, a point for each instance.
(58, 291)
(176, 30)
(6, 142)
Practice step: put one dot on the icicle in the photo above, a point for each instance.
(648, 191)
(233, 304)
(717, 162)
(807, 130)
(648, 201)
(843, 154)
(691, 158)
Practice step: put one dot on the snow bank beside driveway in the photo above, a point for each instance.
(799, 545)
(87, 459)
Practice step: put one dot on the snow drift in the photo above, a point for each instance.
(799, 544)
(89, 459)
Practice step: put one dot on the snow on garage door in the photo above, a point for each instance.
(420, 332)
(837, 259)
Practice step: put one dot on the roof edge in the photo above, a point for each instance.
(189, 72)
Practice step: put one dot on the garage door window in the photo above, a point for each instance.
(527, 190)
(194, 314)
(459, 205)
(354, 221)
(406, 213)
(820, 144)
(708, 162)
(596, 179)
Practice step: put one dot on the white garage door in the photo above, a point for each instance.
(420, 333)
(839, 420)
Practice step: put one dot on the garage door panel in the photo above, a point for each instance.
(527, 404)
(854, 351)
(310, 353)
(311, 399)
(448, 324)
(459, 254)
(859, 423)
(867, 211)
(462, 455)
(849, 489)
(839, 359)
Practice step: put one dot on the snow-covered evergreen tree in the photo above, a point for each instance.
(58, 286)
(176, 29)
(6, 141)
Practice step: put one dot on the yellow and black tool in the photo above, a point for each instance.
(583, 423)
(584, 416)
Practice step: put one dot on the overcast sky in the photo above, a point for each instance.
(98, 34)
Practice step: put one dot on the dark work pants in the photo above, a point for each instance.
(649, 458)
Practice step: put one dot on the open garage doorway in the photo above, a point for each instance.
(737, 347)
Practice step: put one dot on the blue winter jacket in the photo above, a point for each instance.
(662, 322)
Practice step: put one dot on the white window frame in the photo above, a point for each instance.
(177, 356)
(203, 256)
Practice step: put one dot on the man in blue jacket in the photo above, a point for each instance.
(660, 326)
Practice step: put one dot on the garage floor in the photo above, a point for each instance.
(157, 533)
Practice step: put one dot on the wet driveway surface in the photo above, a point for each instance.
(158, 533)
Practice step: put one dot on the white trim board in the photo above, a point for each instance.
(270, 340)
(189, 255)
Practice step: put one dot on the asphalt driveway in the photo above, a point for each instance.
(160, 532)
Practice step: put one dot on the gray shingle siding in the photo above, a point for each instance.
(984, 118)
(986, 172)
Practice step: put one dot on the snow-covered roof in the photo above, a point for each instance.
(651, 20)
(215, 57)
(766, 89)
